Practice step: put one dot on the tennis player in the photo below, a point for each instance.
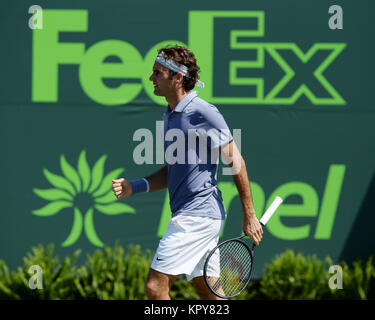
(196, 203)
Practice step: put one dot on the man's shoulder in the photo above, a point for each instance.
(200, 105)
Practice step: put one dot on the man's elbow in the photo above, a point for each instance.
(236, 164)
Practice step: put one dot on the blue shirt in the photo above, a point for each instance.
(193, 133)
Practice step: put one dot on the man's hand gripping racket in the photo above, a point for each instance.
(229, 266)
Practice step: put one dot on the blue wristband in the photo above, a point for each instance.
(139, 186)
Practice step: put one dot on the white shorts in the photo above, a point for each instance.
(186, 245)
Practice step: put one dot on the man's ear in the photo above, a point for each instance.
(180, 78)
(177, 80)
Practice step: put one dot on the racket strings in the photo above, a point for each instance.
(234, 261)
(235, 268)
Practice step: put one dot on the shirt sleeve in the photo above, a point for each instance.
(216, 129)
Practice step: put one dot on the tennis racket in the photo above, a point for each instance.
(229, 266)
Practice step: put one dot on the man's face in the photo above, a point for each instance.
(160, 79)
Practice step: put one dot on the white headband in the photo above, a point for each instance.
(176, 67)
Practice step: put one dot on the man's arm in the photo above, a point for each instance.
(158, 180)
(250, 226)
(122, 188)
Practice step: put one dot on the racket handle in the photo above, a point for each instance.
(270, 211)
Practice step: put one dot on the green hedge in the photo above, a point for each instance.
(113, 273)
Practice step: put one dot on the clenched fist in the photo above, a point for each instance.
(122, 188)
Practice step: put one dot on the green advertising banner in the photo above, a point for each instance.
(295, 83)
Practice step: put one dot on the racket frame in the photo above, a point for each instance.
(265, 218)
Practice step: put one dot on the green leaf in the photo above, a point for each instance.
(97, 173)
(115, 208)
(84, 170)
(59, 182)
(70, 173)
(76, 229)
(107, 182)
(79, 287)
(52, 208)
(90, 229)
(52, 194)
(107, 198)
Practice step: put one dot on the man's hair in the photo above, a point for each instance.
(183, 56)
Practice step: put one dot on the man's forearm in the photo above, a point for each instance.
(233, 157)
(158, 180)
(243, 186)
(250, 225)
